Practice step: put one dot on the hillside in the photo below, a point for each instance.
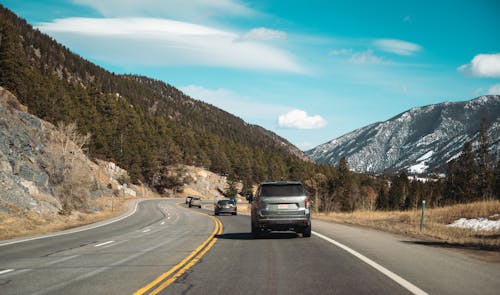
(43, 168)
(420, 140)
(142, 124)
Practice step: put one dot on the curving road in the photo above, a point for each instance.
(170, 250)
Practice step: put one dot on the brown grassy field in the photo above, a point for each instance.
(436, 221)
(18, 223)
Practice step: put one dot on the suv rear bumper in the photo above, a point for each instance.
(282, 223)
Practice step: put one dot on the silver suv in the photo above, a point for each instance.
(281, 206)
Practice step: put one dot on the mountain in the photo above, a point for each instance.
(419, 141)
(142, 124)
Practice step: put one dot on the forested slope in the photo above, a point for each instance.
(142, 124)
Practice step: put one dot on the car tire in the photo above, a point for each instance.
(189, 205)
(307, 232)
(216, 213)
(234, 213)
(255, 231)
(199, 206)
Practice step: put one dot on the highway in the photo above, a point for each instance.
(165, 249)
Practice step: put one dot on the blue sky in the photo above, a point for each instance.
(308, 70)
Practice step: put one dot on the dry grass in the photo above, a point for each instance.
(18, 223)
(436, 221)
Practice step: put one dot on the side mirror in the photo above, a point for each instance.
(249, 198)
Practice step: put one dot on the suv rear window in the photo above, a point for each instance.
(280, 190)
(223, 202)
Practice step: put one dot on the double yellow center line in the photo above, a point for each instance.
(167, 278)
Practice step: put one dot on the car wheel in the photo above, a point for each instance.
(234, 213)
(216, 213)
(199, 206)
(307, 232)
(255, 230)
(189, 205)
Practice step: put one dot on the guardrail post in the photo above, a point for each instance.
(422, 219)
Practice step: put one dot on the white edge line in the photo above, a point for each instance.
(102, 244)
(404, 283)
(6, 271)
(146, 230)
(74, 231)
(162, 223)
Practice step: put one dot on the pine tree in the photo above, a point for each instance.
(496, 185)
(461, 178)
(484, 171)
(345, 185)
(383, 198)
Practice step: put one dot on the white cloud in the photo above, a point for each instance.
(397, 46)
(234, 103)
(298, 119)
(192, 10)
(263, 34)
(483, 65)
(494, 90)
(366, 57)
(163, 42)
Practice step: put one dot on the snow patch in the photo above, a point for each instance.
(418, 168)
(426, 156)
(477, 224)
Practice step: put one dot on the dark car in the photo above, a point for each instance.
(195, 202)
(226, 206)
(281, 206)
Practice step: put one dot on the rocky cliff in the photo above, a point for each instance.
(43, 168)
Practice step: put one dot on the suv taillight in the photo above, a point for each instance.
(306, 203)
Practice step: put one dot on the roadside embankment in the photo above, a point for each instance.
(436, 224)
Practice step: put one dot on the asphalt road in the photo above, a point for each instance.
(118, 258)
(125, 256)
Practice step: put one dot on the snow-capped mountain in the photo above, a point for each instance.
(419, 140)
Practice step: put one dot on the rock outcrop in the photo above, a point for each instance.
(44, 170)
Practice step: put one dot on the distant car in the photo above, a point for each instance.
(188, 199)
(195, 202)
(281, 206)
(225, 206)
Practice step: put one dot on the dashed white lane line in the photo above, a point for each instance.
(404, 283)
(168, 217)
(146, 230)
(115, 244)
(162, 223)
(102, 244)
(6, 271)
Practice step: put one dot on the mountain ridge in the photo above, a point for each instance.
(436, 131)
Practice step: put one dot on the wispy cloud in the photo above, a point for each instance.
(483, 65)
(366, 57)
(263, 34)
(298, 119)
(235, 103)
(494, 90)
(163, 42)
(192, 10)
(396, 46)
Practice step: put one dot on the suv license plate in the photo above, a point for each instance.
(282, 206)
